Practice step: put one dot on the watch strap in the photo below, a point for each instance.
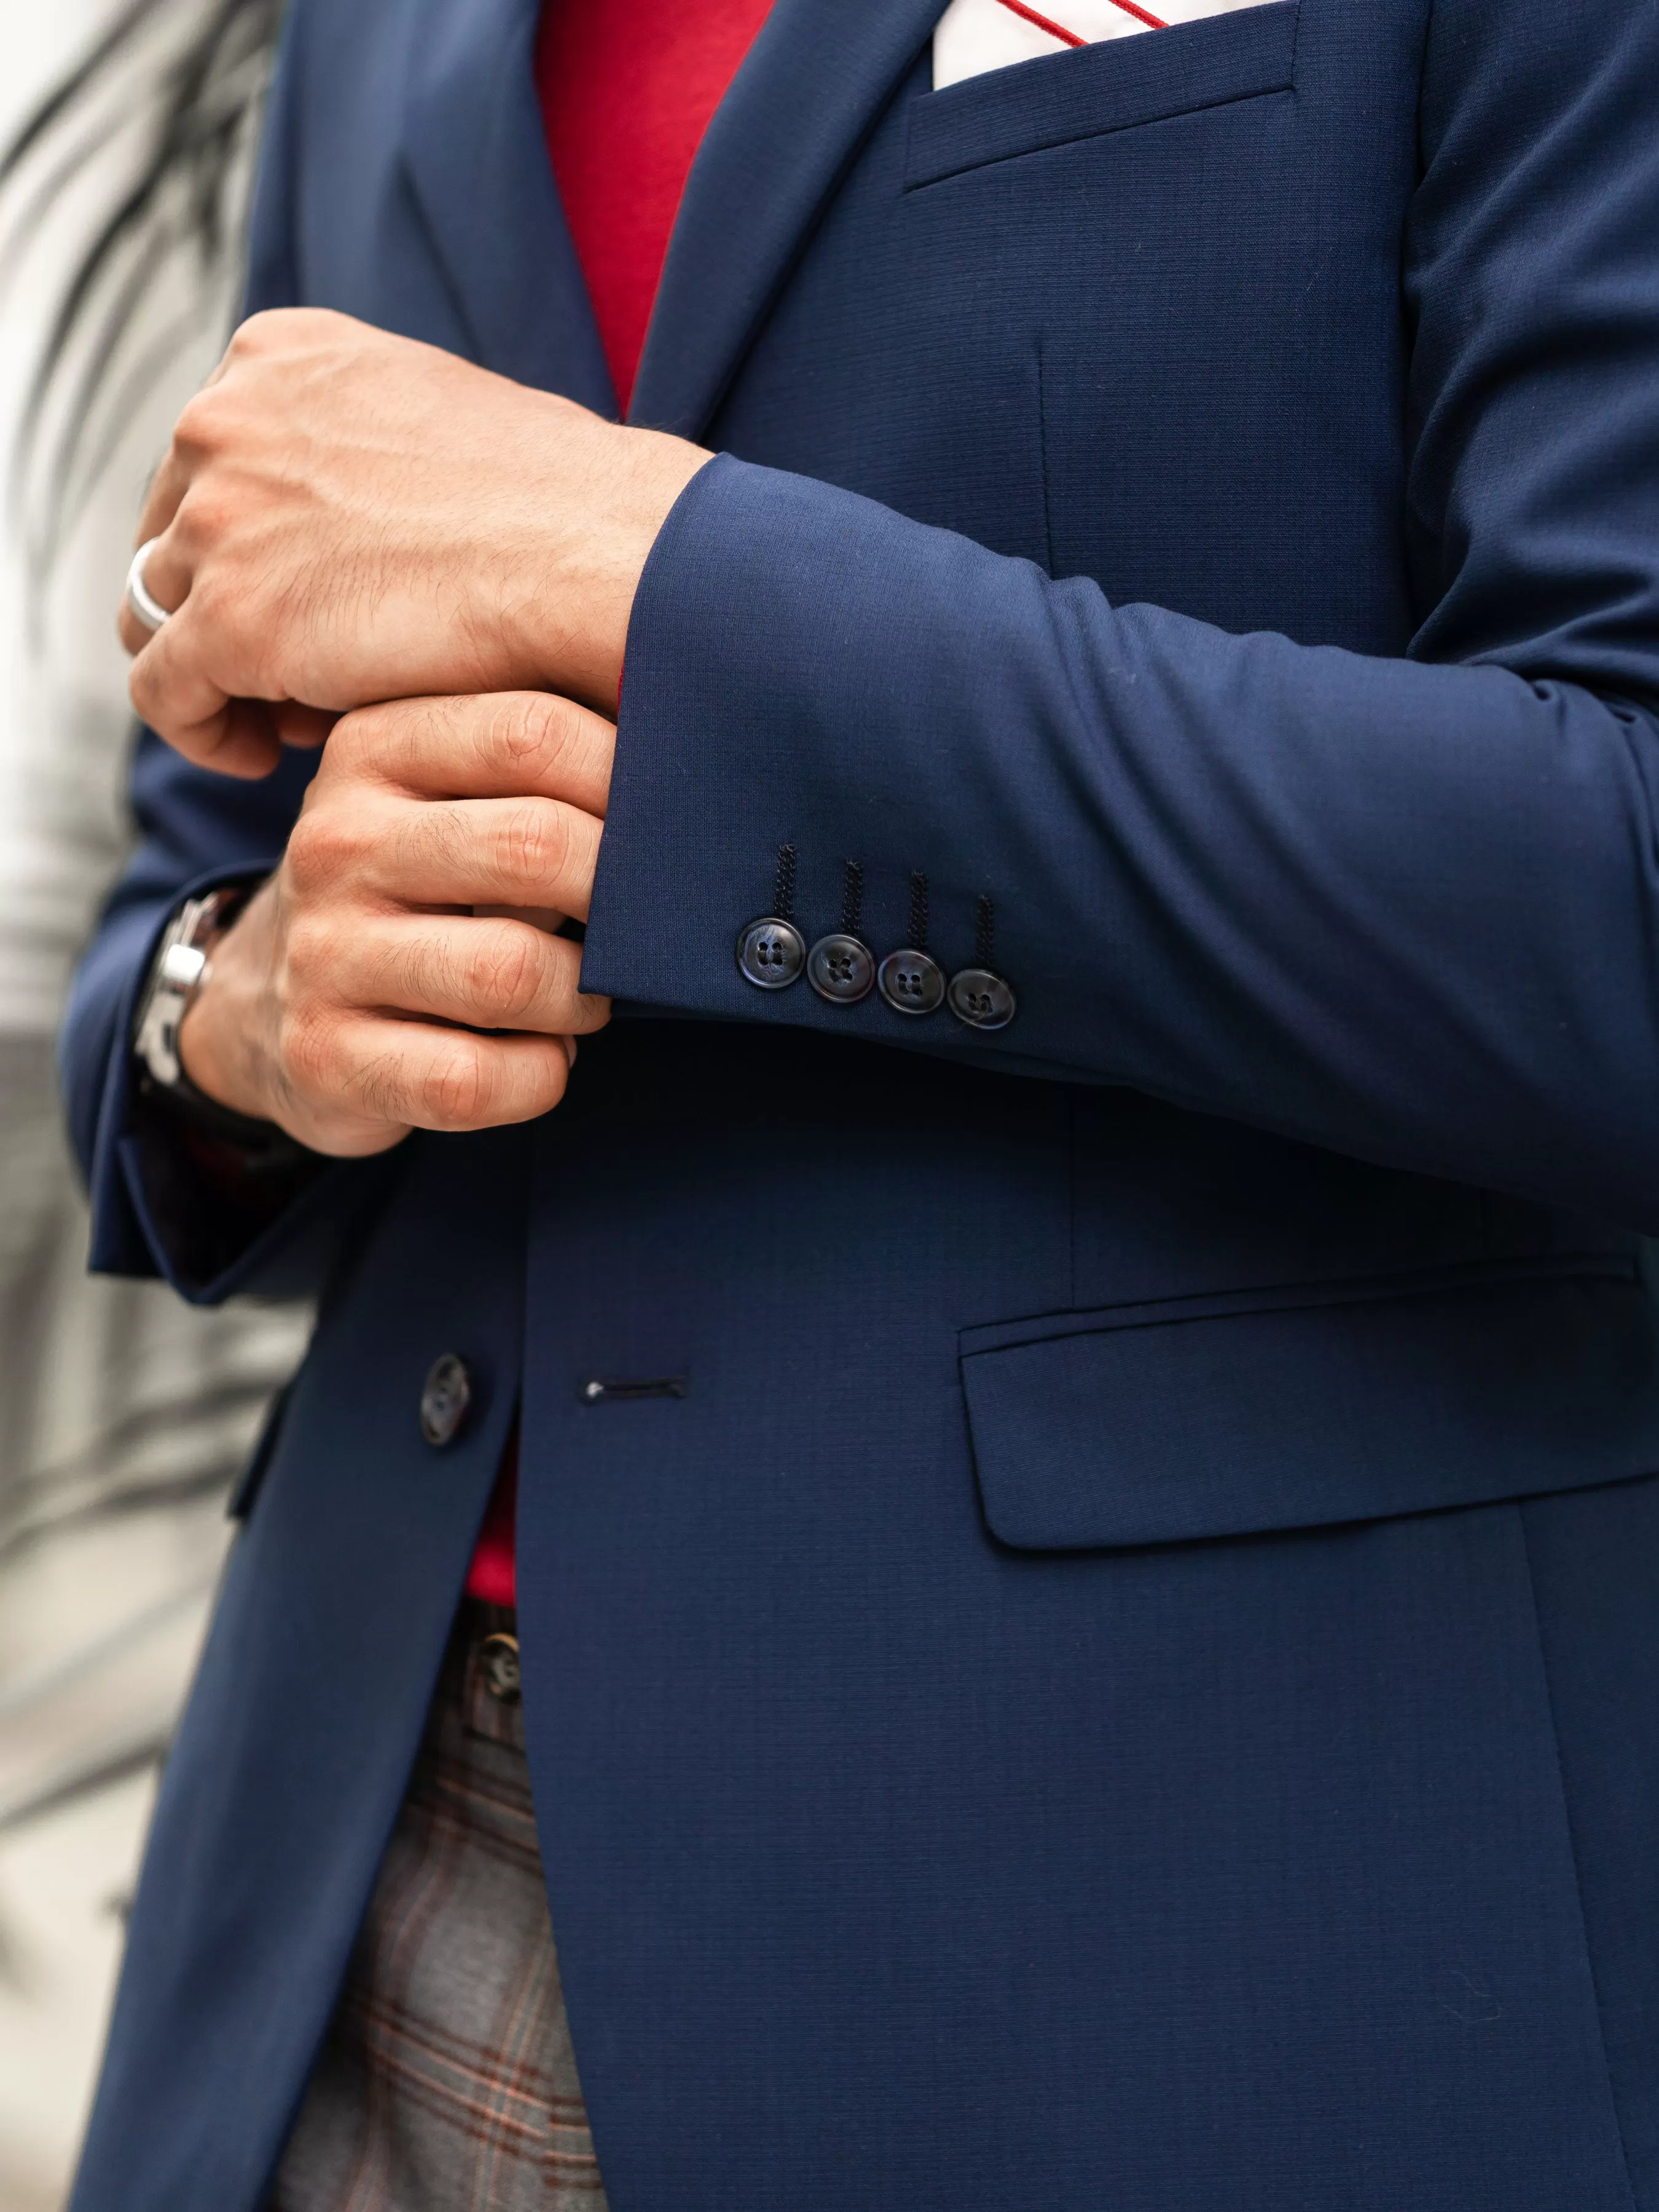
(177, 970)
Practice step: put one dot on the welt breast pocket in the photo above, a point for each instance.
(1113, 85)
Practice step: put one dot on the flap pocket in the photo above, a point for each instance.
(1109, 86)
(1157, 1425)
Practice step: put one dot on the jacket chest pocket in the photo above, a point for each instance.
(1095, 90)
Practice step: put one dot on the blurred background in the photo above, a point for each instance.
(124, 1416)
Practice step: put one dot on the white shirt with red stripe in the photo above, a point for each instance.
(973, 36)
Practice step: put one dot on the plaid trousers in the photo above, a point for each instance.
(446, 2083)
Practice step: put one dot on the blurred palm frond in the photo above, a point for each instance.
(131, 175)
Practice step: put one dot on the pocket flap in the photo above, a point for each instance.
(1157, 1425)
(1093, 90)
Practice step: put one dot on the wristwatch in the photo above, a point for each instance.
(176, 976)
(254, 1167)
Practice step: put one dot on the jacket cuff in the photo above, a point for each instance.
(156, 1210)
(778, 626)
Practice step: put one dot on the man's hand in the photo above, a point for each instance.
(327, 1006)
(345, 517)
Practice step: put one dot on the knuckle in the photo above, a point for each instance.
(259, 333)
(309, 1049)
(454, 1090)
(202, 421)
(323, 847)
(203, 520)
(535, 842)
(533, 731)
(304, 863)
(508, 971)
(354, 744)
(144, 687)
(373, 745)
(309, 953)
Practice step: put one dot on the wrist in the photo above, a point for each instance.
(219, 1123)
(219, 1074)
(178, 972)
(582, 615)
(218, 1035)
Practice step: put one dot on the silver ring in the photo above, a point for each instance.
(146, 610)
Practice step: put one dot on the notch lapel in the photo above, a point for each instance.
(813, 82)
(476, 155)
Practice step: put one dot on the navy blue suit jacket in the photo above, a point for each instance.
(1131, 1675)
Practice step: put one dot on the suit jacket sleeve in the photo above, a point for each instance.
(1408, 908)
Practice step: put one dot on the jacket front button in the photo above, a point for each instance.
(840, 968)
(445, 1397)
(981, 1000)
(912, 982)
(771, 953)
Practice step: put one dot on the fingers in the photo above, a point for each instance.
(491, 975)
(241, 738)
(167, 488)
(166, 579)
(302, 728)
(496, 852)
(454, 852)
(502, 744)
(408, 1075)
(167, 573)
(232, 736)
(172, 692)
(197, 435)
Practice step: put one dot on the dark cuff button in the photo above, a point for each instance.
(911, 982)
(771, 953)
(840, 968)
(445, 1398)
(981, 1000)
